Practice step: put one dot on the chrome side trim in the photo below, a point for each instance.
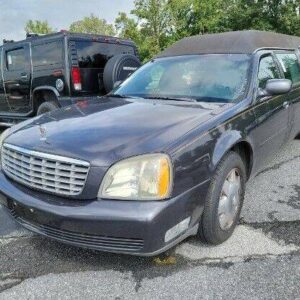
(48, 156)
(31, 76)
(4, 124)
(2, 77)
(67, 63)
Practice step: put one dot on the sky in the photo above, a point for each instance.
(59, 13)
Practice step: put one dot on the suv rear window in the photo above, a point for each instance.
(95, 54)
(47, 54)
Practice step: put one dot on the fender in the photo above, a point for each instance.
(224, 143)
(46, 87)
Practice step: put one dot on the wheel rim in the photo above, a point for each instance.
(229, 201)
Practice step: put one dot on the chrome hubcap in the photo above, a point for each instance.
(229, 199)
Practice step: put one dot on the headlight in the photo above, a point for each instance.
(145, 177)
(3, 136)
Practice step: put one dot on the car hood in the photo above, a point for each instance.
(105, 130)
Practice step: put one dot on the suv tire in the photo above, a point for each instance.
(221, 209)
(114, 69)
(46, 107)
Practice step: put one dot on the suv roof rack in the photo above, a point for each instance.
(31, 34)
(5, 41)
(96, 37)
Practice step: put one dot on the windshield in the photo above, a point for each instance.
(205, 78)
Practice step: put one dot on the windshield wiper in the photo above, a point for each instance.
(154, 97)
(171, 98)
(122, 96)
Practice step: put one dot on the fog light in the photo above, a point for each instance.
(177, 229)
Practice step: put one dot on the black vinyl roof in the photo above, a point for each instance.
(242, 42)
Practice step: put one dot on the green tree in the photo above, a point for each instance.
(153, 21)
(247, 14)
(207, 16)
(128, 28)
(93, 24)
(181, 16)
(277, 15)
(191, 17)
(158, 23)
(288, 18)
(39, 27)
(149, 27)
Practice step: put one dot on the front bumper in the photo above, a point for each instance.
(130, 227)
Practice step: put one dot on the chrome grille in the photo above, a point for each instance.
(46, 172)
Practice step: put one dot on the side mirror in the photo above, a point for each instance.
(277, 87)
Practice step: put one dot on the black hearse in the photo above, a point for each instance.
(42, 73)
(166, 155)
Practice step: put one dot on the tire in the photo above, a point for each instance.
(47, 106)
(118, 68)
(211, 230)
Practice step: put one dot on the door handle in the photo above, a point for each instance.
(25, 76)
(286, 104)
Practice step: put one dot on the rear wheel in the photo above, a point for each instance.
(224, 200)
(47, 107)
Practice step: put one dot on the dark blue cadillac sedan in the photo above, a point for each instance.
(166, 155)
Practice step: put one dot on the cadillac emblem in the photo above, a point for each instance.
(43, 133)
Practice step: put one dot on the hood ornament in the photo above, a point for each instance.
(43, 133)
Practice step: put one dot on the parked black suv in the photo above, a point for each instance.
(42, 73)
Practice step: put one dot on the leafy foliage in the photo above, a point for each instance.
(148, 27)
(92, 24)
(155, 24)
(39, 27)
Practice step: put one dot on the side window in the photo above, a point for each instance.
(267, 70)
(15, 59)
(290, 66)
(47, 54)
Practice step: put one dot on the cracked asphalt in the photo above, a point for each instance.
(260, 261)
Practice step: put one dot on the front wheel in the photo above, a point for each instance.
(224, 200)
(46, 107)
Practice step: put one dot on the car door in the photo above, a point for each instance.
(3, 102)
(17, 77)
(291, 69)
(271, 112)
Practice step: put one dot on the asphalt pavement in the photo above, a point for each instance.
(260, 261)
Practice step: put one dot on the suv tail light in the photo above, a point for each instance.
(76, 78)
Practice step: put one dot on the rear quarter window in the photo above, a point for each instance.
(96, 54)
(47, 54)
(290, 65)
